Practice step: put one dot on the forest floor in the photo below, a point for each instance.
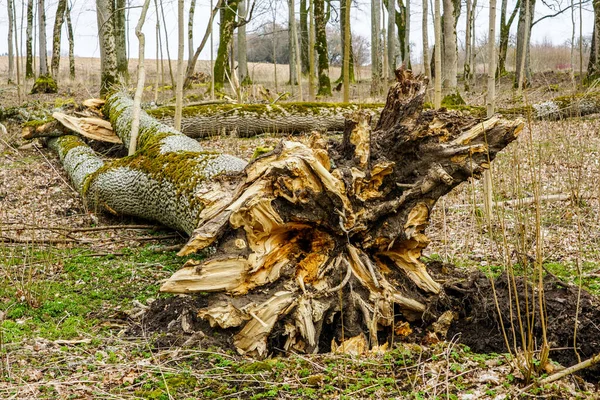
(74, 284)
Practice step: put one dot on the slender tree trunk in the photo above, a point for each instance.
(346, 46)
(304, 33)
(242, 45)
(376, 47)
(180, 55)
(120, 22)
(321, 47)
(141, 78)
(56, 37)
(164, 21)
(71, 39)
(29, 71)
(488, 193)
(108, 54)
(17, 52)
(593, 70)
(407, 35)
(391, 39)
(473, 47)
(450, 55)
(191, 67)
(504, 35)
(468, 49)
(292, 43)
(343, 5)
(42, 38)
(191, 30)
(523, 40)
(437, 102)
(226, 27)
(274, 46)
(11, 57)
(425, 35)
(311, 50)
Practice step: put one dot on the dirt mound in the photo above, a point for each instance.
(174, 320)
(479, 326)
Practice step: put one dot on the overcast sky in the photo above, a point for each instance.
(556, 30)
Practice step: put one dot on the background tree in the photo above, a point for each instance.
(29, 72)
(343, 22)
(375, 47)
(191, 30)
(504, 35)
(9, 36)
(42, 38)
(425, 34)
(449, 49)
(468, 49)
(321, 47)
(56, 36)
(593, 70)
(391, 40)
(120, 22)
(526, 10)
(228, 12)
(108, 55)
(292, 42)
(304, 32)
(242, 52)
(71, 40)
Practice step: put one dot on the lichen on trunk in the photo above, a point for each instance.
(313, 242)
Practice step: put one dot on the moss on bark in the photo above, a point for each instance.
(226, 27)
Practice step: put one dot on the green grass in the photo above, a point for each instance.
(63, 294)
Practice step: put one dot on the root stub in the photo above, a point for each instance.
(316, 237)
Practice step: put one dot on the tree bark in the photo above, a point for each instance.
(467, 67)
(449, 49)
(376, 48)
(292, 43)
(523, 42)
(593, 70)
(304, 229)
(71, 39)
(391, 39)
(256, 119)
(191, 30)
(56, 37)
(120, 31)
(324, 88)
(42, 38)
(504, 35)
(304, 36)
(109, 75)
(11, 56)
(437, 102)
(242, 53)
(425, 35)
(343, 33)
(180, 51)
(29, 71)
(226, 27)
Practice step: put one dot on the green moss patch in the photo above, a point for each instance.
(44, 84)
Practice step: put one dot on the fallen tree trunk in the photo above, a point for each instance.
(313, 242)
(245, 120)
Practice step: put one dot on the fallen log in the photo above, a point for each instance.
(246, 120)
(312, 242)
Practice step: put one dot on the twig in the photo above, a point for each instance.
(567, 371)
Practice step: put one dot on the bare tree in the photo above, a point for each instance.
(347, 52)
(29, 37)
(311, 50)
(523, 39)
(593, 70)
(391, 39)
(42, 38)
(180, 50)
(108, 56)
(304, 33)
(164, 21)
(56, 36)
(504, 33)
(292, 42)
(191, 30)
(468, 49)
(242, 54)
(406, 59)
(71, 39)
(344, 5)
(120, 22)
(425, 34)
(438, 56)
(450, 55)
(11, 57)
(375, 47)
(321, 47)
(139, 90)
(228, 11)
(488, 192)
